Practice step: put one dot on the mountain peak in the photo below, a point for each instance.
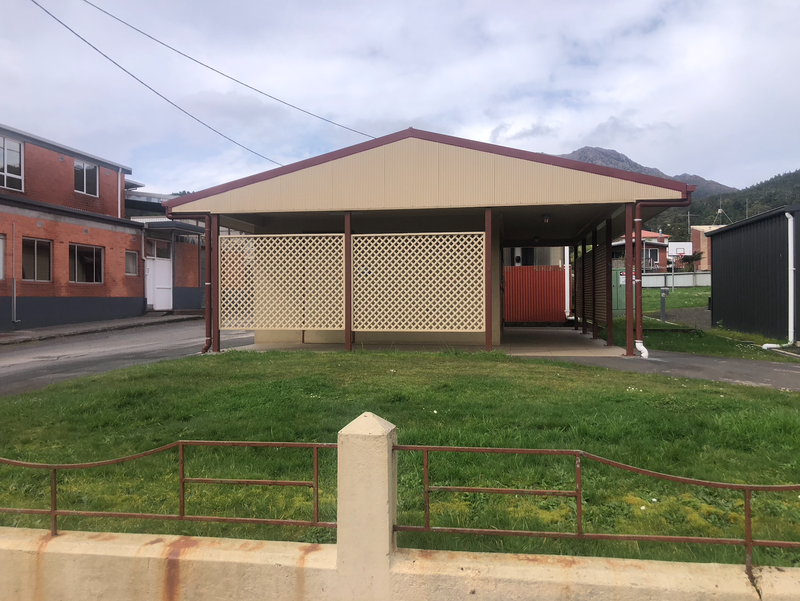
(606, 157)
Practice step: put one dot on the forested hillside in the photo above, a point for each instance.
(709, 197)
(776, 192)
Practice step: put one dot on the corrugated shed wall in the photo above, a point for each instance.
(602, 294)
(415, 173)
(749, 278)
(598, 255)
(534, 293)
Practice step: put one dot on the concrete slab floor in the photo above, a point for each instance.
(517, 342)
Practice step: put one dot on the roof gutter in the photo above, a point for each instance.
(207, 219)
(639, 258)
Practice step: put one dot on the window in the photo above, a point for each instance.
(131, 262)
(2, 257)
(36, 260)
(160, 249)
(85, 178)
(85, 264)
(10, 164)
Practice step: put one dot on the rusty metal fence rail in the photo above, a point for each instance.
(54, 512)
(748, 542)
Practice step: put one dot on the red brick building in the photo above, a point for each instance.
(67, 253)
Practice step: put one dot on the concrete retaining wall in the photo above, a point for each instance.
(682, 279)
(364, 565)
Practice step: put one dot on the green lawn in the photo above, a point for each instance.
(716, 343)
(692, 428)
(677, 299)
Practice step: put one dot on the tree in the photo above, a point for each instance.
(690, 260)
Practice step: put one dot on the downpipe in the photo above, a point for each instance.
(792, 269)
(639, 259)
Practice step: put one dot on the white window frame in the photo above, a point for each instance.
(35, 259)
(4, 161)
(136, 263)
(102, 263)
(651, 250)
(97, 178)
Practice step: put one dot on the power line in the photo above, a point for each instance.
(248, 86)
(156, 92)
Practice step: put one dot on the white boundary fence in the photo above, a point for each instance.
(683, 279)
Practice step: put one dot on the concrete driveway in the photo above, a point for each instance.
(33, 365)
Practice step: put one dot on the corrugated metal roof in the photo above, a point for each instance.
(754, 219)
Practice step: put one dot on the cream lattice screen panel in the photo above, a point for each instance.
(289, 282)
(418, 282)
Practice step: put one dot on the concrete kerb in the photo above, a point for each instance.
(364, 565)
(78, 329)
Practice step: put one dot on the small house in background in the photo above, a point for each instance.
(67, 253)
(753, 265)
(655, 247)
(701, 243)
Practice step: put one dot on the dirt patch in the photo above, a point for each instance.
(694, 317)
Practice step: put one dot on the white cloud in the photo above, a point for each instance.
(704, 86)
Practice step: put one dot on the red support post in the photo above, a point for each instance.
(575, 317)
(629, 280)
(609, 283)
(215, 344)
(488, 275)
(348, 282)
(584, 327)
(595, 328)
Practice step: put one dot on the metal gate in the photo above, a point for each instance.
(534, 293)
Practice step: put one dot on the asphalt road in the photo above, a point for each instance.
(33, 365)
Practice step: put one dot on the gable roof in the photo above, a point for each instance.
(675, 189)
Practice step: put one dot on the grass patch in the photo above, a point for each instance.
(677, 299)
(662, 336)
(699, 429)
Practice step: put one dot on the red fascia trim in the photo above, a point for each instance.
(536, 157)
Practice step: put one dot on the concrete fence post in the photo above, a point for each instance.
(367, 507)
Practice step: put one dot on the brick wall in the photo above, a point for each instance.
(50, 177)
(61, 234)
(701, 243)
(187, 265)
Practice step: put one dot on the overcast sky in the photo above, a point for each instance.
(708, 87)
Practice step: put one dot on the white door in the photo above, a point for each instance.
(158, 275)
(162, 299)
